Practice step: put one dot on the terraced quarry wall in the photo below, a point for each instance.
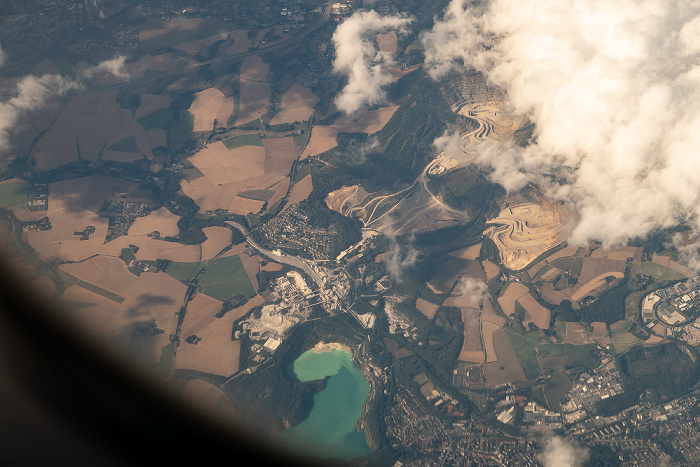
(525, 231)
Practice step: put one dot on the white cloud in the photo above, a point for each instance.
(688, 250)
(357, 154)
(561, 453)
(357, 58)
(612, 87)
(452, 39)
(114, 67)
(472, 288)
(452, 145)
(31, 94)
(399, 258)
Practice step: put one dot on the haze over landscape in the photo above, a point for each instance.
(490, 208)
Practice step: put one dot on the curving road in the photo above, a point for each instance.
(286, 259)
(423, 178)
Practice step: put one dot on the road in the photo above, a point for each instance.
(424, 181)
(286, 259)
(191, 289)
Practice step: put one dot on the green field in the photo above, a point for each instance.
(429, 296)
(497, 307)
(188, 171)
(226, 278)
(190, 174)
(524, 346)
(127, 255)
(520, 311)
(243, 140)
(300, 140)
(13, 194)
(557, 386)
(537, 395)
(576, 268)
(301, 172)
(575, 356)
(222, 280)
(621, 339)
(126, 145)
(550, 350)
(184, 272)
(656, 271)
(571, 264)
(529, 349)
(632, 303)
(496, 288)
(416, 45)
(285, 127)
(231, 120)
(579, 356)
(564, 263)
(158, 119)
(468, 181)
(561, 283)
(275, 206)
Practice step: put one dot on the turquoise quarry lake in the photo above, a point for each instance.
(330, 430)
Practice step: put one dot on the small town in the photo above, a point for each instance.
(121, 215)
(427, 439)
(628, 433)
(291, 230)
(580, 402)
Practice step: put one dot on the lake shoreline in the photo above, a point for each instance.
(323, 347)
(331, 427)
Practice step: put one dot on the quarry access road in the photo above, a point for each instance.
(424, 181)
